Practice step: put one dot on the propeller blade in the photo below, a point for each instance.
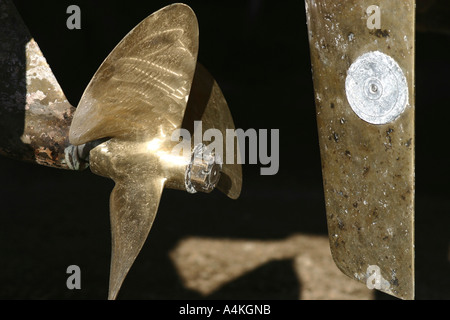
(133, 205)
(363, 67)
(208, 105)
(145, 80)
(139, 178)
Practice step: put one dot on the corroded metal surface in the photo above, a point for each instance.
(34, 113)
(368, 169)
(137, 99)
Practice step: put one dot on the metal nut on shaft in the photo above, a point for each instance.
(203, 173)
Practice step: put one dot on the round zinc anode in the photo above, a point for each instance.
(376, 88)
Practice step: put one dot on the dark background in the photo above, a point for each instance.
(259, 54)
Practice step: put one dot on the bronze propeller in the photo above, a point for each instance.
(147, 88)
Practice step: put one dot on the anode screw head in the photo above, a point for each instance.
(376, 88)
